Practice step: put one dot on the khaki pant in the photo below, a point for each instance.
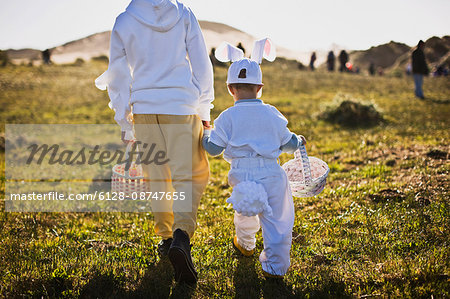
(180, 174)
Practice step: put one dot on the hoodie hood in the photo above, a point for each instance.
(160, 15)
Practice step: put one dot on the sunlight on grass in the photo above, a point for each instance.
(380, 227)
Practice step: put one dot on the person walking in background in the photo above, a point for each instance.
(240, 46)
(214, 60)
(372, 69)
(408, 69)
(311, 62)
(419, 69)
(46, 56)
(331, 61)
(160, 76)
(343, 59)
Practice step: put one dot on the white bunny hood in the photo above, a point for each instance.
(160, 15)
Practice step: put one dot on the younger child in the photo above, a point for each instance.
(252, 135)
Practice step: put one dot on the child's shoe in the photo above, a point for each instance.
(241, 249)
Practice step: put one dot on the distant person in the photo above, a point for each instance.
(343, 59)
(46, 56)
(312, 60)
(349, 67)
(372, 69)
(380, 71)
(213, 58)
(240, 46)
(331, 61)
(419, 68)
(441, 70)
(3, 58)
(149, 45)
(408, 69)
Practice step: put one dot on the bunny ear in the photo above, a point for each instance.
(226, 52)
(264, 48)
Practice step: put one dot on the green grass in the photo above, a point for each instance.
(353, 240)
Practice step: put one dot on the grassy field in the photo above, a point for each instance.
(380, 229)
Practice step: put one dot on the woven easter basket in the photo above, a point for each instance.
(129, 181)
(307, 175)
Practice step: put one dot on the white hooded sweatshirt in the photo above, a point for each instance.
(158, 64)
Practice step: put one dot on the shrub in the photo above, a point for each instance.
(398, 73)
(101, 58)
(352, 113)
(78, 62)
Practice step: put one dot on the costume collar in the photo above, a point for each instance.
(258, 101)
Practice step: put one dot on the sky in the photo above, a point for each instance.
(294, 24)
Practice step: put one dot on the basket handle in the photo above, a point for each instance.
(301, 154)
(127, 156)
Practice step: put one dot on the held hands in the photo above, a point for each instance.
(127, 136)
(206, 125)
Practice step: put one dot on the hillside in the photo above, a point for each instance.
(382, 56)
(390, 56)
(98, 44)
(24, 55)
(396, 56)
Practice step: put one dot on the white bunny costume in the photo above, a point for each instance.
(252, 134)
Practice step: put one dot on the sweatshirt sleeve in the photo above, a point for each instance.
(201, 67)
(117, 79)
(292, 145)
(221, 133)
(209, 146)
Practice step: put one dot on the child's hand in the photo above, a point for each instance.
(302, 138)
(206, 124)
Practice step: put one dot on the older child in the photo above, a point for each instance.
(160, 73)
(252, 135)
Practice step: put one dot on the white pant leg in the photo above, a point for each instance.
(277, 229)
(246, 229)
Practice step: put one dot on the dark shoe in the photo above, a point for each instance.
(163, 246)
(180, 257)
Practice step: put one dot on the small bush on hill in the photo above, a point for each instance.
(351, 113)
(78, 62)
(101, 58)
